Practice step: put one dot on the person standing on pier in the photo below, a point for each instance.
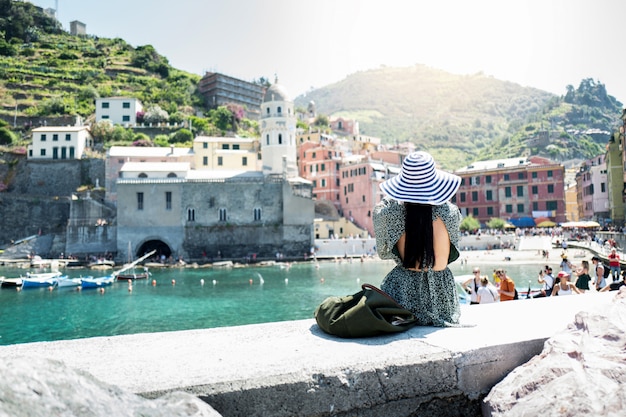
(418, 228)
(614, 264)
(582, 282)
(600, 280)
(475, 282)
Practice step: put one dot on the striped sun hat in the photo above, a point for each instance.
(420, 182)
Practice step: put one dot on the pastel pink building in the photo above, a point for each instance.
(320, 164)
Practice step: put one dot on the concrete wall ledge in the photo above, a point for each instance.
(294, 369)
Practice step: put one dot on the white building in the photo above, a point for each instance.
(117, 156)
(59, 142)
(118, 110)
(155, 170)
(278, 133)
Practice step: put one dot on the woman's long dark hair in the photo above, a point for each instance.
(418, 244)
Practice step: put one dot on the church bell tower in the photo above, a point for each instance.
(278, 133)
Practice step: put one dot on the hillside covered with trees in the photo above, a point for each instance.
(463, 118)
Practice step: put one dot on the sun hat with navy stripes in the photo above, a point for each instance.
(420, 182)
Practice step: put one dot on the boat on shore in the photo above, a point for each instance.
(223, 264)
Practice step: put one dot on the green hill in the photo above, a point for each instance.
(47, 72)
(574, 126)
(462, 118)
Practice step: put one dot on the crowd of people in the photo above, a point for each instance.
(570, 279)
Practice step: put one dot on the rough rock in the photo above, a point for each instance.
(581, 371)
(32, 386)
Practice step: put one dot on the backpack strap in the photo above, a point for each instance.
(381, 292)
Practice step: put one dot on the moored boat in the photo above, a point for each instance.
(127, 272)
(91, 282)
(66, 282)
(46, 279)
(11, 282)
(43, 275)
(102, 264)
(130, 276)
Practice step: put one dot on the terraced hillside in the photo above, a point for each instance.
(59, 74)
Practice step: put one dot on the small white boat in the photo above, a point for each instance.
(102, 264)
(223, 264)
(43, 275)
(11, 282)
(39, 262)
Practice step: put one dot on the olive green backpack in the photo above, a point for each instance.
(370, 312)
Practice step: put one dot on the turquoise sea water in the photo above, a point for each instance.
(229, 297)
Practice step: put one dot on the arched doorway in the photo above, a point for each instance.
(161, 249)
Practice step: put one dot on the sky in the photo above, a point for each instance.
(546, 44)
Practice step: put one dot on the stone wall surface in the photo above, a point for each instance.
(24, 216)
(57, 178)
(37, 200)
(32, 387)
(581, 371)
(294, 369)
(239, 242)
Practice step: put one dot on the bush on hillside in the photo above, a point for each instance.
(6, 137)
(146, 143)
(182, 136)
(6, 49)
(155, 114)
(222, 118)
(102, 130)
(146, 57)
(121, 134)
(161, 141)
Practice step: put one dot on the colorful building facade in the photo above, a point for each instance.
(519, 190)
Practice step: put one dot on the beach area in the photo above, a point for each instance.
(518, 257)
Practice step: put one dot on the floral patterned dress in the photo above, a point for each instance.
(430, 295)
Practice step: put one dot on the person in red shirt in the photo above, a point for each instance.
(614, 264)
(507, 286)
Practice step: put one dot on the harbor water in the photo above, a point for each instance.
(195, 298)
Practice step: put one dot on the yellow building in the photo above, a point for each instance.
(339, 228)
(571, 203)
(231, 154)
